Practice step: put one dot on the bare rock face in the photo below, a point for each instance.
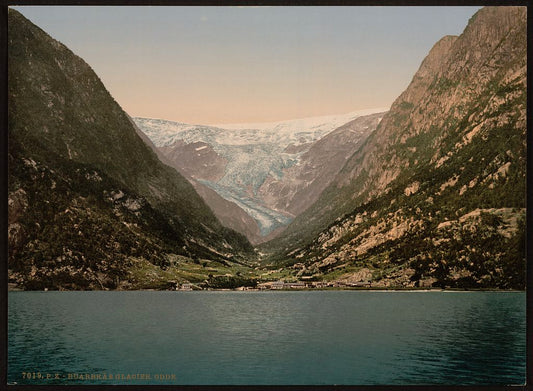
(301, 185)
(454, 141)
(229, 213)
(456, 72)
(197, 160)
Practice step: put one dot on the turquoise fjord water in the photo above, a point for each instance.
(320, 337)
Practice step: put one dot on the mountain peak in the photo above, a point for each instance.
(434, 59)
(495, 22)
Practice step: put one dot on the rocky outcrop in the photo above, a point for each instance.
(300, 185)
(196, 160)
(229, 214)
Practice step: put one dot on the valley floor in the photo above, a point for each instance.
(185, 274)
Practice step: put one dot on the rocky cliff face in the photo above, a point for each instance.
(453, 143)
(85, 191)
(300, 185)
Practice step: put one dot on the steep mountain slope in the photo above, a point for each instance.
(269, 171)
(85, 192)
(228, 213)
(436, 194)
(300, 185)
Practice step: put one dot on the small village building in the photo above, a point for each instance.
(362, 284)
(264, 286)
(295, 285)
(339, 284)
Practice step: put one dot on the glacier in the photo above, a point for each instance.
(253, 151)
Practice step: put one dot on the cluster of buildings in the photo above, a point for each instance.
(277, 285)
(186, 287)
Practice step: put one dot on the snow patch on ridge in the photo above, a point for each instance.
(330, 122)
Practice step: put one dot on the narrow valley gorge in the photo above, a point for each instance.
(429, 193)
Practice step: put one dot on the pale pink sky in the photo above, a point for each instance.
(206, 65)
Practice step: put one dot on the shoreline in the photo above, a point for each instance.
(406, 290)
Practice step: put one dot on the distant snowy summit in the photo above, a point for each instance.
(296, 131)
(325, 123)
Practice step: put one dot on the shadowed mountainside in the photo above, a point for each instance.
(86, 194)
